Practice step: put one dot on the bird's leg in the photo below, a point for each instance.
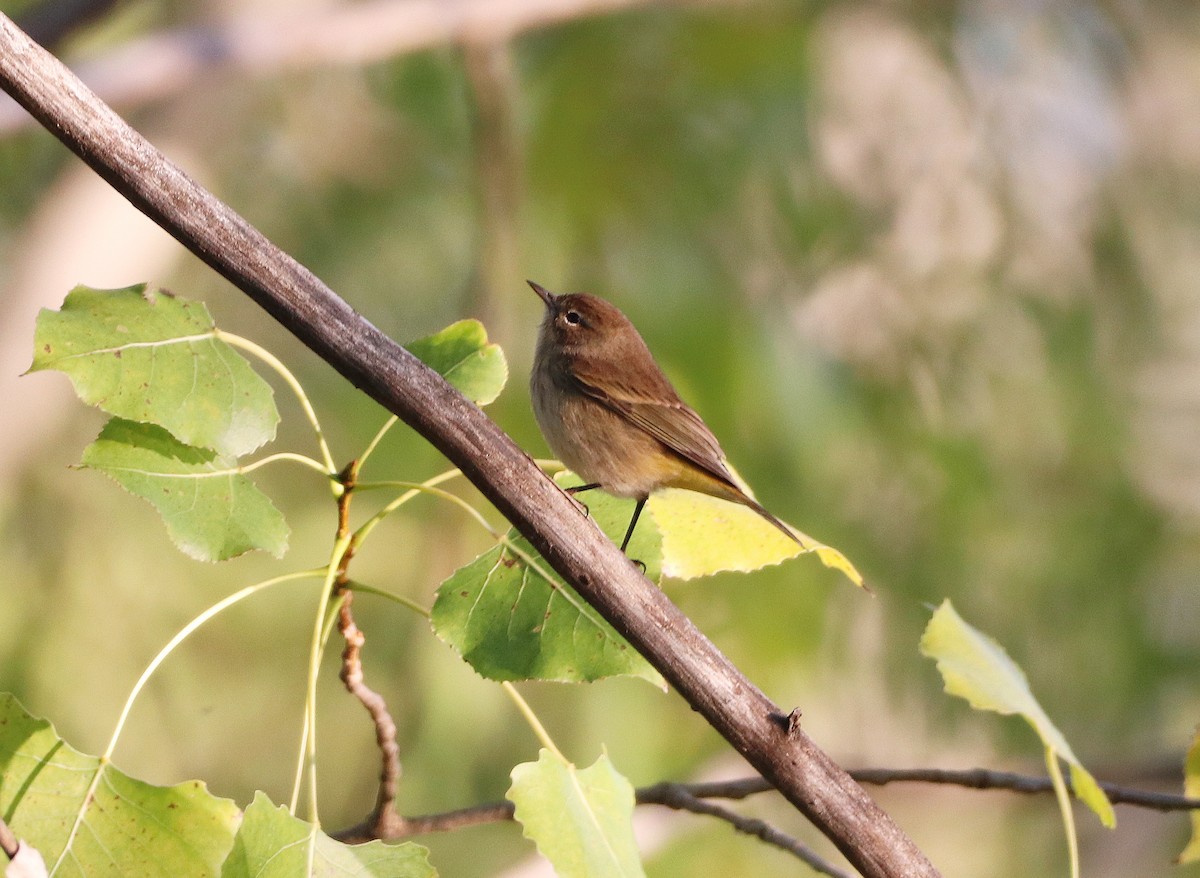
(579, 489)
(637, 510)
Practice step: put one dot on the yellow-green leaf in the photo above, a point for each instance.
(580, 819)
(510, 623)
(976, 667)
(462, 354)
(87, 818)
(271, 843)
(149, 356)
(703, 535)
(212, 511)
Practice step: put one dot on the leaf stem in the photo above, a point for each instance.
(331, 618)
(284, 455)
(307, 759)
(275, 363)
(187, 630)
(184, 633)
(427, 487)
(370, 449)
(534, 723)
(1064, 806)
(239, 470)
(413, 489)
(363, 588)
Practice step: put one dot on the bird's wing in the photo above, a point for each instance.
(664, 416)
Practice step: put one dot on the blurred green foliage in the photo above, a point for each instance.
(927, 269)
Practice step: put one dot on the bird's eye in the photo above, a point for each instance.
(573, 318)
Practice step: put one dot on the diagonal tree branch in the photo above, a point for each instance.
(571, 544)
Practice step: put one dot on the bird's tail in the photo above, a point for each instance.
(762, 510)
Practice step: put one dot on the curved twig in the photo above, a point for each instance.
(696, 798)
(680, 798)
(742, 788)
(983, 779)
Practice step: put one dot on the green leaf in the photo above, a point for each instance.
(703, 535)
(461, 354)
(271, 843)
(976, 667)
(1191, 789)
(212, 512)
(580, 820)
(509, 623)
(152, 357)
(88, 819)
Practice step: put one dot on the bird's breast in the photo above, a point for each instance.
(598, 444)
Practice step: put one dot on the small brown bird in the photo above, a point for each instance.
(610, 414)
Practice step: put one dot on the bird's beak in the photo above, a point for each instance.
(547, 296)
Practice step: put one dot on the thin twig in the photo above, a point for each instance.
(383, 821)
(983, 779)
(461, 818)
(693, 797)
(678, 797)
(971, 778)
(668, 795)
(742, 788)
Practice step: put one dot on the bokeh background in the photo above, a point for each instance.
(931, 270)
